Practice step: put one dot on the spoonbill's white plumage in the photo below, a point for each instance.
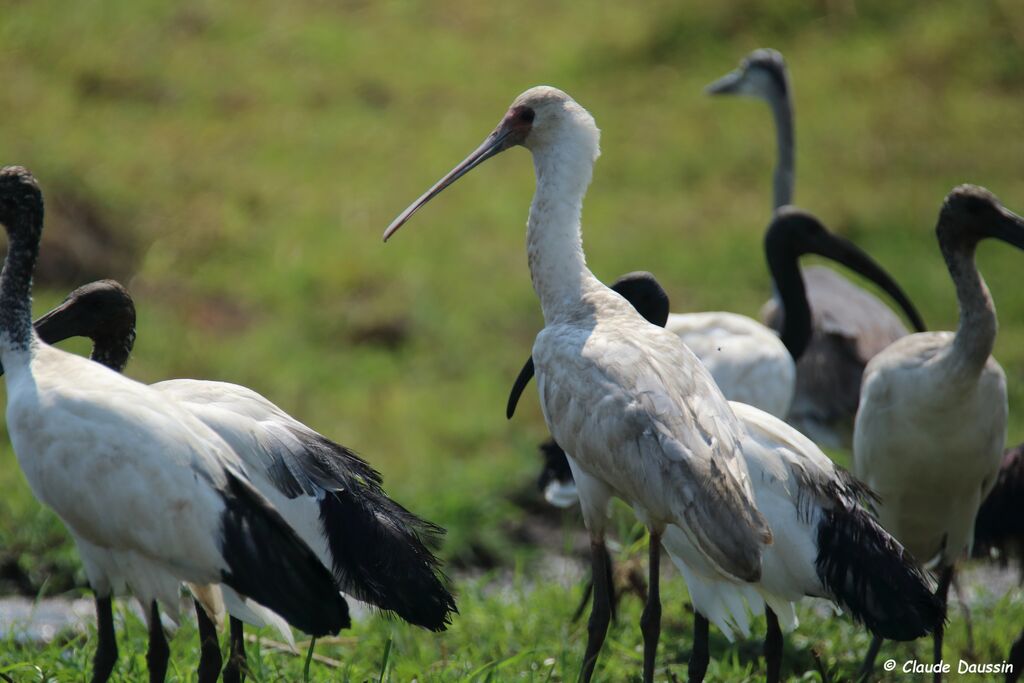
(826, 544)
(640, 415)
(151, 495)
(751, 363)
(931, 425)
(850, 325)
(376, 549)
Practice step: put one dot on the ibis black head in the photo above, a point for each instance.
(972, 213)
(21, 203)
(639, 288)
(794, 232)
(104, 312)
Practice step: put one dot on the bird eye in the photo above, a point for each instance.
(526, 115)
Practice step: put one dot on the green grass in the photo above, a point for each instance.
(247, 158)
(512, 628)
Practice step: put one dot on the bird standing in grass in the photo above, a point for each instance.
(378, 551)
(849, 325)
(932, 420)
(151, 495)
(640, 416)
(750, 363)
(827, 544)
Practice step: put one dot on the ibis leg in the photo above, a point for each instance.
(772, 647)
(868, 666)
(650, 620)
(942, 592)
(158, 652)
(209, 647)
(968, 620)
(1016, 659)
(600, 613)
(234, 672)
(700, 656)
(106, 650)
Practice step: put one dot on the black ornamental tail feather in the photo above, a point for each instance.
(269, 563)
(873, 577)
(382, 555)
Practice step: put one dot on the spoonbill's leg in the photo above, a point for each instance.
(600, 613)
(589, 589)
(209, 647)
(700, 656)
(650, 620)
(158, 652)
(772, 647)
(106, 650)
(594, 498)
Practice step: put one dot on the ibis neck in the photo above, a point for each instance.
(976, 330)
(16, 288)
(554, 245)
(113, 350)
(792, 294)
(785, 167)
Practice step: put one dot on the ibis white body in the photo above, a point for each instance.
(929, 439)
(748, 361)
(931, 426)
(134, 477)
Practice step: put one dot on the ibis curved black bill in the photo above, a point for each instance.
(496, 142)
(794, 232)
(63, 322)
(1009, 228)
(848, 254)
(642, 290)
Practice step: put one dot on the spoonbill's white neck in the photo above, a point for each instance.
(554, 246)
(976, 330)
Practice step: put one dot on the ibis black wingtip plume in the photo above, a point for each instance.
(873, 577)
(269, 563)
(382, 555)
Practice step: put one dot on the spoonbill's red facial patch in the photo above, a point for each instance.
(520, 118)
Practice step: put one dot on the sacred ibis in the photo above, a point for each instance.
(850, 325)
(931, 426)
(827, 544)
(151, 495)
(378, 551)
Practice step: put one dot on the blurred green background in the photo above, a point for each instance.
(234, 164)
